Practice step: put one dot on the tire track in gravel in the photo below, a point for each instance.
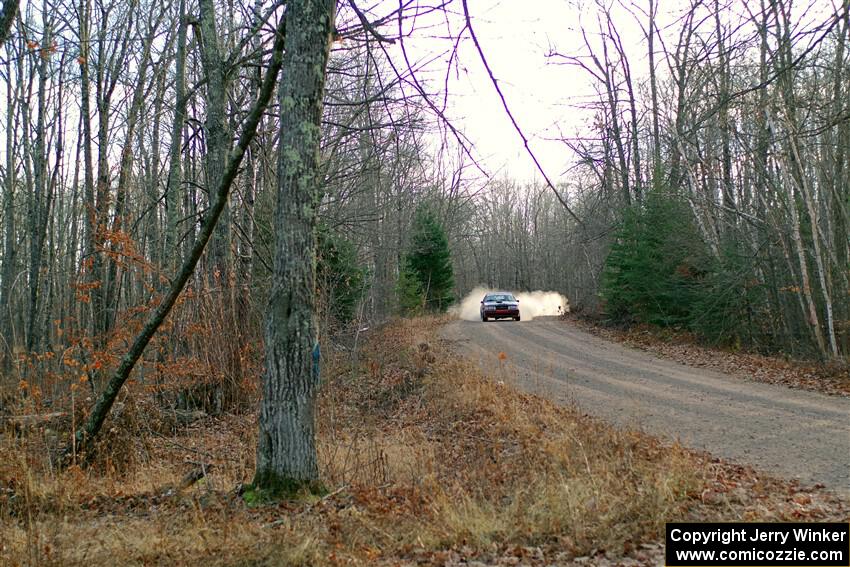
(789, 433)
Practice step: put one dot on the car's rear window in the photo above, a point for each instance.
(499, 297)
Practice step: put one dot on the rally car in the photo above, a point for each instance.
(499, 305)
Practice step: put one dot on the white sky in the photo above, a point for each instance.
(516, 37)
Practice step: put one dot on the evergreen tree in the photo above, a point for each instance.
(729, 308)
(429, 261)
(655, 268)
(340, 279)
(411, 299)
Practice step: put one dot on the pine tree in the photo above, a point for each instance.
(411, 299)
(429, 261)
(654, 269)
(340, 279)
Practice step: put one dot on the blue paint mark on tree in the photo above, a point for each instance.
(317, 355)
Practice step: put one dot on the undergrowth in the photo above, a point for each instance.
(421, 456)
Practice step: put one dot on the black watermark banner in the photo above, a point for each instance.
(758, 544)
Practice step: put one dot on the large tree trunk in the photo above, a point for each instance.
(286, 452)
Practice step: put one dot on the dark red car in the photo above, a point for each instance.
(499, 305)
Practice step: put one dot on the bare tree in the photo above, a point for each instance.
(84, 435)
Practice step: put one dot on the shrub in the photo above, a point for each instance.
(411, 299)
(655, 267)
(732, 305)
(340, 279)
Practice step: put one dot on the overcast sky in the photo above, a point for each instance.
(545, 97)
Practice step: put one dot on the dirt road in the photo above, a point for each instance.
(788, 433)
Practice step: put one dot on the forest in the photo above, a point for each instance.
(202, 199)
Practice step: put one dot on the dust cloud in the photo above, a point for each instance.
(531, 304)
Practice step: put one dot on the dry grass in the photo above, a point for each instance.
(425, 459)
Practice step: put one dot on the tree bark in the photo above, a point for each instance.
(90, 224)
(37, 203)
(653, 87)
(217, 131)
(286, 451)
(729, 206)
(9, 245)
(175, 173)
(7, 19)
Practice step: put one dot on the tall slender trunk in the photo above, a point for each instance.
(90, 225)
(72, 268)
(38, 200)
(723, 115)
(814, 319)
(154, 231)
(653, 88)
(9, 247)
(680, 73)
(806, 194)
(52, 217)
(616, 131)
(635, 137)
(100, 308)
(217, 132)
(173, 191)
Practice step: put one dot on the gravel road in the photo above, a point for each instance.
(784, 432)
